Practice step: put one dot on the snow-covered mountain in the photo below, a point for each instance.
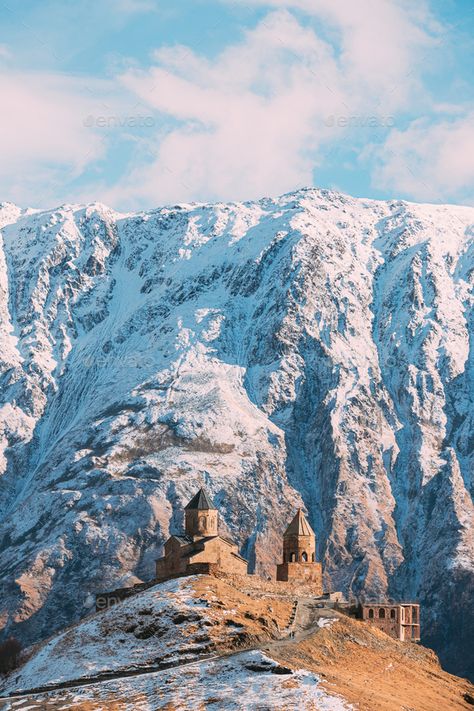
(313, 349)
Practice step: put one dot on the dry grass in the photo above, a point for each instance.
(375, 672)
(250, 617)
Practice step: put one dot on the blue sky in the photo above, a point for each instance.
(138, 103)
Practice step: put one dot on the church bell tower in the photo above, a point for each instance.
(299, 555)
(201, 516)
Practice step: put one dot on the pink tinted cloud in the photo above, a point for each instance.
(253, 121)
(428, 161)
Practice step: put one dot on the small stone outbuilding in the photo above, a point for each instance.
(200, 548)
(399, 620)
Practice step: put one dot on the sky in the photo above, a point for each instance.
(141, 103)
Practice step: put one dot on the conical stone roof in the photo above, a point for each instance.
(200, 501)
(299, 526)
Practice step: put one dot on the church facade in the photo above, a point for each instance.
(200, 548)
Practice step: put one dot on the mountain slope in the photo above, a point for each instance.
(313, 349)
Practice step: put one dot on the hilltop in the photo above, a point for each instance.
(207, 642)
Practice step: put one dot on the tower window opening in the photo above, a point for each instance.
(304, 557)
(382, 613)
(371, 614)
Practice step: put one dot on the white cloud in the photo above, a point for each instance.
(4, 52)
(244, 119)
(44, 139)
(428, 161)
(379, 44)
(251, 122)
(255, 120)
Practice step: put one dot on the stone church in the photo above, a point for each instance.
(200, 549)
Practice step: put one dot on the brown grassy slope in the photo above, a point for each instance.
(358, 662)
(245, 605)
(364, 665)
(375, 672)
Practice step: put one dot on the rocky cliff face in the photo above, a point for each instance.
(314, 349)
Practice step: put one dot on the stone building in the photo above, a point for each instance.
(299, 555)
(399, 620)
(200, 549)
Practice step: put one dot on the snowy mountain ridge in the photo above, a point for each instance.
(312, 349)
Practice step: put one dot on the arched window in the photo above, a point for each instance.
(202, 523)
(371, 614)
(392, 614)
(312, 557)
(413, 614)
(293, 558)
(382, 613)
(304, 557)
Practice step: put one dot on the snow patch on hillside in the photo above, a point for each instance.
(161, 624)
(242, 682)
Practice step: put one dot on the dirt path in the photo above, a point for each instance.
(110, 676)
(306, 623)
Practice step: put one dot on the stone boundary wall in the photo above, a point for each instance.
(253, 584)
(250, 584)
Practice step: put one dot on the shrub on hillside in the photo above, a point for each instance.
(9, 655)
